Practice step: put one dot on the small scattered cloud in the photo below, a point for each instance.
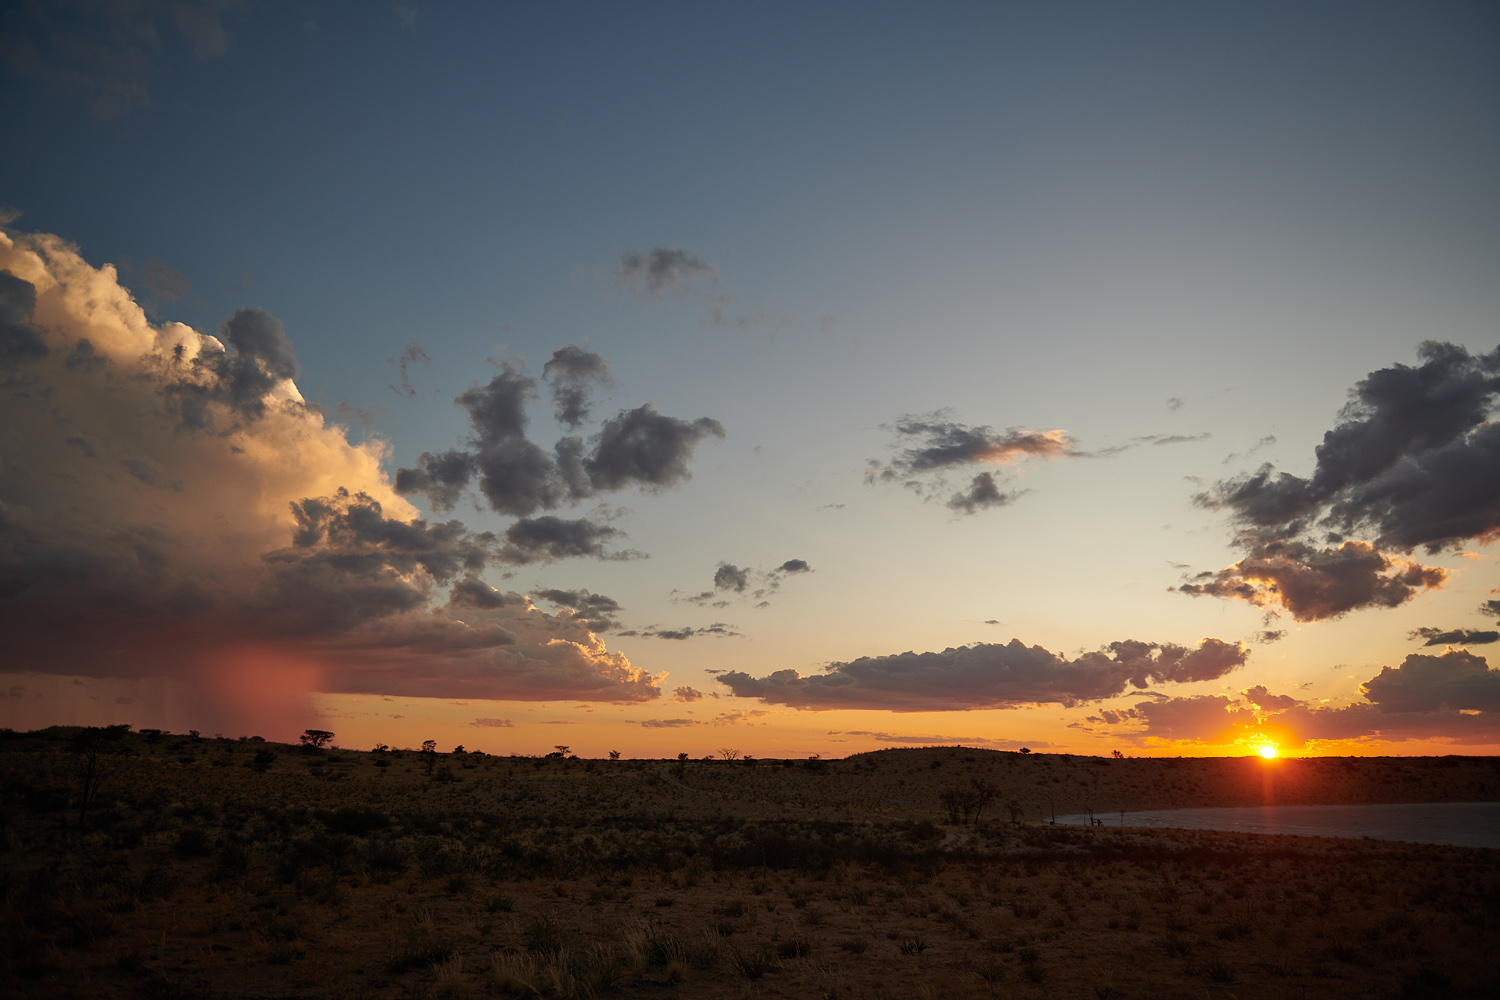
(671, 723)
(411, 354)
(493, 723)
(1455, 636)
(686, 694)
(661, 270)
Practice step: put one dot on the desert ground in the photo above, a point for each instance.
(147, 864)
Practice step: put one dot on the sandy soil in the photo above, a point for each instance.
(217, 868)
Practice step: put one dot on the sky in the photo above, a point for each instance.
(788, 378)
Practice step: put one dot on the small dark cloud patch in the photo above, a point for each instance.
(730, 577)
(989, 675)
(493, 723)
(660, 270)
(1261, 697)
(548, 539)
(411, 354)
(598, 609)
(516, 476)
(981, 495)
(1455, 636)
(574, 374)
(929, 446)
(794, 566)
(671, 723)
(165, 282)
(20, 339)
(686, 694)
(1270, 635)
(1413, 461)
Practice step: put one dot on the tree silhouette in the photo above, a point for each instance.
(315, 738)
(429, 755)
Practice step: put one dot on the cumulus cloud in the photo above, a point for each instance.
(549, 538)
(213, 528)
(1412, 461)
(518, 477)
(660, 270)
(730, 577)
(597, 609)
(1455, 636)
(929, 445)
(574, 373)
(1452, 697)
(794, 566)
(686, 694)
(989, 675)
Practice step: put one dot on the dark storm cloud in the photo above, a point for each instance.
(104, 55)
(242, 381)
(1454, 637)
(548, 538)
(1457, 679)
(730, 577)
(411, 354)
(641, 446)
(574, 373)
(981, 495)
(597, 609)
(1261, 697)
(1413, 461)
(1316, 583)
(20, 341)
(660, 270)
(443, 478)
(231, 560)
(987, 675)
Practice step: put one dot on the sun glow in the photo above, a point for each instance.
(1268, 752)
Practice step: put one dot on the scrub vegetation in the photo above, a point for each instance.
(147, 864)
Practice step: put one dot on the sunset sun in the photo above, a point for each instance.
(1268, 752)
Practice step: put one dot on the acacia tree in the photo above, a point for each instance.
(614, 755)
(429, 755)
(729, 753)
(983, 794)
(315, 738)
(91, 745)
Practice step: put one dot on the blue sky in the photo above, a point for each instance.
(1175, 235)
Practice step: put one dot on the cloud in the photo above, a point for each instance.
(411, 354)
(493, 723)
(549, 538)
(1453, 697)
(731, 577)
(967, 741)
(671, 723)
(1454, 637)
(641, 446)
(574, 373)
(686, 694)
(213, 528)
(598, 610)
(722, 630)
(516, 476)
(165, 282)
(20, 340)
(1413, 461)
(1315, 583)
(661, 270)
(981, 494)
(737, 717)
(1270, 635)
(794, 566)
(989, 675)
(930, 445)
(1456, 679)
(105, 54)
